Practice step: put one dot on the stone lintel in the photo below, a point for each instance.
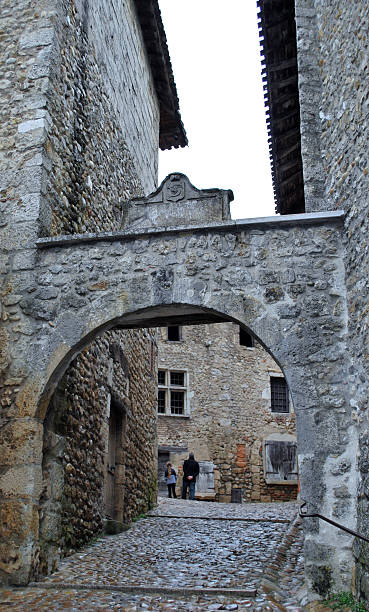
(263, 223)
(172, 449)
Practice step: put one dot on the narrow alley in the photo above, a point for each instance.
(183, 556)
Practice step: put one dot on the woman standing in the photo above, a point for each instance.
(171, 479)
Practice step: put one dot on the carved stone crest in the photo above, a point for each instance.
(177, 203)
(174, 188)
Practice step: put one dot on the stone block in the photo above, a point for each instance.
(178, 203)
(18, 520)
(50, 525)
(37, 38)
(21, 442)
(27, 208)
(31, 125)
(22, 236)
(22, 481)
(11, 559)
(24, 260)
(41, 66)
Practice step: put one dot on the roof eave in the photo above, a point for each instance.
(172, 132)
(280, 76)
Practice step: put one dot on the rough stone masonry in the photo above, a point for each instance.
(299, 283)
(332, 53)
(70, 156)
(282, 278)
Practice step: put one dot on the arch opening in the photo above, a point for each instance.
(116, 398)
(162, 315)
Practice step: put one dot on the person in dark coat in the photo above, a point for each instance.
(191, 469)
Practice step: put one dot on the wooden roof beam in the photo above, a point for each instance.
(290, 179)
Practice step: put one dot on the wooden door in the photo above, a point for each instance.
(163, 459)
(111, 464)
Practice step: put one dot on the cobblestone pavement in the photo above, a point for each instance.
(184, 556)
(284, 511)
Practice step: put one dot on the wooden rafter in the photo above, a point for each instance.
(278, 49)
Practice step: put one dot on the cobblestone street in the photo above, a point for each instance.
(184, 556)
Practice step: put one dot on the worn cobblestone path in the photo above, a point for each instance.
(184, 556)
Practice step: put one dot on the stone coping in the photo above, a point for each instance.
(264, 223)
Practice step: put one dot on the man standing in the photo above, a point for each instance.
(190, 471)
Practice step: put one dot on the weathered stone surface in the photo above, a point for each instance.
(17, 520)
(115, 368)
(21, 442)
(66, 167)
(177, 202)
(73, 117)
(206, 279)
(333, 62)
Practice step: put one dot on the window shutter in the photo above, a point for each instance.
(281, 460)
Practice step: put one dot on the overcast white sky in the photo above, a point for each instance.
(215, 54)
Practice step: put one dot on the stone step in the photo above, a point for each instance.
(144, 589)
(219, 518)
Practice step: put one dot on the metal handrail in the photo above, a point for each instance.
(324, 518)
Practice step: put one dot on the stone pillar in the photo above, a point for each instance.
(26, 49)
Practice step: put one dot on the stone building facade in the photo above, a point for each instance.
(222, 396)
(81, 124)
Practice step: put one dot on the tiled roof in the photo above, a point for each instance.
(172, 132)
(278, 48)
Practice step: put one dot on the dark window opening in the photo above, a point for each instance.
(177, 379)
(161, 377)
(177, 402)
(152, 358)
(279, 395)
(161, 402)
(246, 339)
(174, 333)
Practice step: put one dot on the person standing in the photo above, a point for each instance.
(171, 479)
(191, 469)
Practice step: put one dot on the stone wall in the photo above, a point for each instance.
(70, 158)
(283, 279)
(334, 47)
(127, 80)
(229, 413)
(92, 174)
(112, 371)
(103, 145)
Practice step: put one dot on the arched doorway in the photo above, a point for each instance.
(98, 412)
(211, 275)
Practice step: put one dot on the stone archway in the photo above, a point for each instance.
(282, 279)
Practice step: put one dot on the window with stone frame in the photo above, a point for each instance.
(172, 392)
(279, 395)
